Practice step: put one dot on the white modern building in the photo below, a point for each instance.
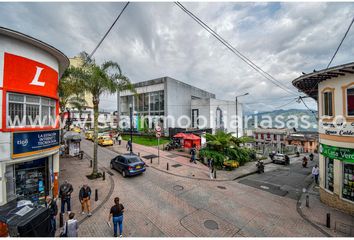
(175, 104)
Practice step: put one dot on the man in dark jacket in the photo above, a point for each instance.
(65, 191)
(84, 197)
(53, 211)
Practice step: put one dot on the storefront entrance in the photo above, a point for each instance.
(32, 181)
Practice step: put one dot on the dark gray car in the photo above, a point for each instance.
(128, 164)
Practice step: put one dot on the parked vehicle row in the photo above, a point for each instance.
(103, 139)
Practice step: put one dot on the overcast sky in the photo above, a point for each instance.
(153, 40)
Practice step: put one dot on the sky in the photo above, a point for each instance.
(153, 40)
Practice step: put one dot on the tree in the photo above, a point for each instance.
(97, 80)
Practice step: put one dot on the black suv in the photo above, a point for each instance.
(128, 164)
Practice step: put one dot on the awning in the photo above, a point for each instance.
(308, 83)
(191, 137)
(180, 135)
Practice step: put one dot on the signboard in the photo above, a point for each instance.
(158, 129)
(28, 76)
(337, 128)
(158, 134)
(344, 154)
(29, 143)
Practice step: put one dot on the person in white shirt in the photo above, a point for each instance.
(316, 173)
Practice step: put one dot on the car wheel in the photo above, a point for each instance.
(124, 173)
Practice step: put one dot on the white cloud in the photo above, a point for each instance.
(158, 39)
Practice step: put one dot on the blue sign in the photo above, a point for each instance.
(29, 143)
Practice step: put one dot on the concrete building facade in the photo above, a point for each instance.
(333, 88)
(29, 150)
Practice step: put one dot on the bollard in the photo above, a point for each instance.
(104, 176)
(61, 220)
(150, 160)
(167, 167)
(90, 163)
(214, 173)
(307, 201)
(96, 195)
(138, 154)
(328, 220)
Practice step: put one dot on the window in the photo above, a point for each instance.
(348, 181)
(350, 101)
(329, 174)
(29, 110)
(328, 103)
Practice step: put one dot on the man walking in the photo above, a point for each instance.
(65, 191)
(129, 145)
(84, 197)
(211, 168)
(316, 173)
(193, 154)
(53, 211)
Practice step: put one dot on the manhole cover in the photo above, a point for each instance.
(221, 187)
(150, 156)
(176, 165)
(178, 187)
(211, 224)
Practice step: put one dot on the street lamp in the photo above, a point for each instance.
(237, 112)
(131, 127)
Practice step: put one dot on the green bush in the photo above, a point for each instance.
(218, 157)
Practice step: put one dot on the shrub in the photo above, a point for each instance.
(218, 157)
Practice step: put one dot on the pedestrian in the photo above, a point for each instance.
(85, 198)
(65, 191)
(211, 167)
(193, 154)
(119, 139)
(129, 145)
(53, 212)
(316, 173)
(304, 162)
(116, 214)
(71, 226)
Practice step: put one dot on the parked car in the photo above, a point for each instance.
(128, 164)
(279, 158)
(105, 141)
(89, 135)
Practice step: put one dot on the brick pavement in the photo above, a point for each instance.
(342, 224)
(158, 204)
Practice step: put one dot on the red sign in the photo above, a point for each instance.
(24, 75)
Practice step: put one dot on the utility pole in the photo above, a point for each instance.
(131, 128)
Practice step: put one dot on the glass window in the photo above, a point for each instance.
(146, 102)
(162, 101)
(329, 174)
(350, 101)
(348, 181)
(327, 104)
(29, 110)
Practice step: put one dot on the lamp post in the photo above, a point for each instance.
(237, 112)
(131, 128)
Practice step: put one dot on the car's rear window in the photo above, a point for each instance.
(133, 160)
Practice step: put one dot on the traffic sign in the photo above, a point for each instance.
(158, 134)
(158, 129)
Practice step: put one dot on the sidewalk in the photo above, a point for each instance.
(342, 224)
(181, 166)
(74, 170)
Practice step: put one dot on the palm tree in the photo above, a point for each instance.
(97, 80)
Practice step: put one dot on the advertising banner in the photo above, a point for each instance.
(29, 143)
(343, 154)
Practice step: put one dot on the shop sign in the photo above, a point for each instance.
(337, 128)
(25, 75)
(29, 143)
(344, 154)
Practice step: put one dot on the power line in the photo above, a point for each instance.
(98, 45)
(300, 98)
(340, 44)
(234, 50)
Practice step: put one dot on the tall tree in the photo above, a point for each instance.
(98, 80)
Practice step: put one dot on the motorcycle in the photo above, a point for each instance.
(260, 167)
(311, 157)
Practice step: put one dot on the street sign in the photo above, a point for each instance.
(158, 129)
(158, 134)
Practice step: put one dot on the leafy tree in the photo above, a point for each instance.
(98, 80)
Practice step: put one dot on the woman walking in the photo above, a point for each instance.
(117, 214)
(71, 226)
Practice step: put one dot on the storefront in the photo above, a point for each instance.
(29, 130)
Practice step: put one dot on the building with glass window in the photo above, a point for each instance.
(173, 104)
(29, 132)
(333, 88)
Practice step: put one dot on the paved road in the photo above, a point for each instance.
(159, 204)
(281, 180)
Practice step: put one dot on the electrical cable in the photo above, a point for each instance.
(99, 44)
(235, 51)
